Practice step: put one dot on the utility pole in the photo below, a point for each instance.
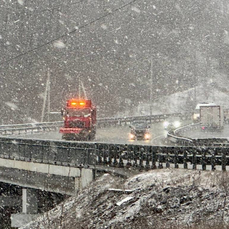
(196, 79)
(46, 98)
(79, 93)
(151, 85)
(82, 88)
(48, 94)
(84, 91)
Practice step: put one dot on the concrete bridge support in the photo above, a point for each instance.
(29, 208)
(40, 176)
(29, 201)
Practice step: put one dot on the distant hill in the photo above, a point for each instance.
(121, 50)
(183, 102)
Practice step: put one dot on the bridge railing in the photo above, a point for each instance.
(152, 157)
(76, 154)
(48, 152)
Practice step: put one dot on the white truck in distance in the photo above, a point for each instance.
(196, 113)
(211, 117)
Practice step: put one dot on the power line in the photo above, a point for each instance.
(58, 6)
(67, 34)
(55, 7)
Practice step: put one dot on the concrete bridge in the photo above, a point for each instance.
(39, 176)
(67, 167)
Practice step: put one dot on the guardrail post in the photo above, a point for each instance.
(176, 160)
(120, 164)
(185, 159)
(154, 157)
(109, 162)
(114, 153)
(104, 156)
(99, 154)
(194, 162)
(142, 150)
(147, 167)
(167, 159)
(212, 160)
(135, 157)
(160, 166)
(203, 159)
(129, 153)
(224, 160)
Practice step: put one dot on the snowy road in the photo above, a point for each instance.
(112, 135)
(120, 135)
(200, 134)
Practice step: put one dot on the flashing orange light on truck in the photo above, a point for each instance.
(76, 103)
(73, 104)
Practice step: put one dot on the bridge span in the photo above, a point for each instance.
(65, 167)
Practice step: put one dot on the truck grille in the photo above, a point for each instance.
(76, 124)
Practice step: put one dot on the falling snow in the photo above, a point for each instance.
(21, 2)
(134, 58)
(59, 44)
(136, 9)
(13, 106)
(113, 43)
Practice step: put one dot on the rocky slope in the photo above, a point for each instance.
(166, 198)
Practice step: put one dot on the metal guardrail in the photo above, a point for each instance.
(76, 154)
(36, 124)
(17, 129)
(29, 128)
(104, 122)
(175, 137)
(152, 157)
(178, 138)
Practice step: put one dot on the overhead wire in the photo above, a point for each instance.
(46, 9)
(69, 33)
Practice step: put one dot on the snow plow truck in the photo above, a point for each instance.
(79, 120)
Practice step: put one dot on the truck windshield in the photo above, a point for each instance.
(78, 113)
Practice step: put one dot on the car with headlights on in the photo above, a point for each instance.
(139, 130)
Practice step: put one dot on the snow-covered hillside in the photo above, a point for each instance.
(166, 198)
(185, 101)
